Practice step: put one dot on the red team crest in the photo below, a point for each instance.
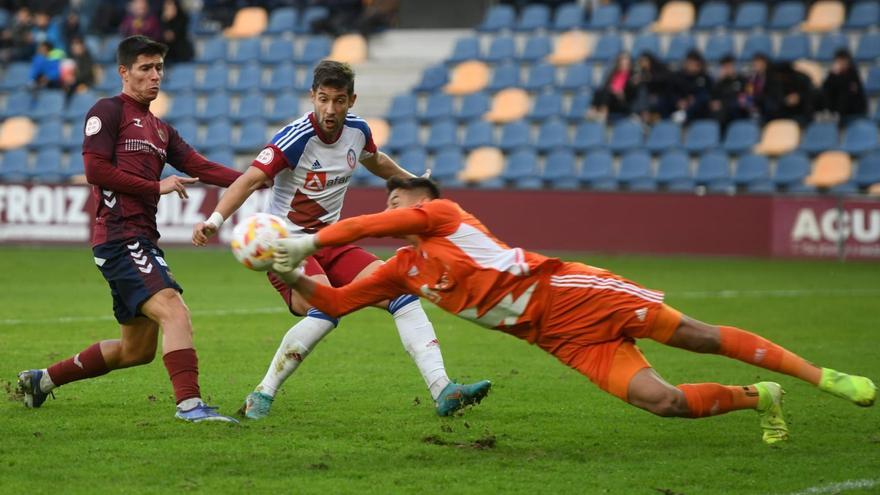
(315, 181)
(352, 158)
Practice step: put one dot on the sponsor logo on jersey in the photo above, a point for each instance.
(138, 145)
(317, 181)
(265, 157)
(162, 135)
(351, 157)
(316, 165)
(93, 125)
(137, 122)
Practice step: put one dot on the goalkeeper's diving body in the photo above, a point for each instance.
(589, 318)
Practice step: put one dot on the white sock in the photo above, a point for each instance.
(295, 346)
(420, 341)
(187, 404)
(46, 383)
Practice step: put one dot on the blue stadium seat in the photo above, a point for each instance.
(15, 166)
(741, 137)
(664, 135)
(74, 165)
(252, 136)
(180, 77)
(713, 171)
(568, 16)
(473, 106)
(188, 129)
(674, 167)
(278, 51)
(282, 78)
(18, 103)
(520, 164)
(607, 48)
(465, 49)
(183, 106)
(849, 188)
(285, 108)
(250, 106)
(577, 76)
(718, 46)
(222, 155)
(819, 137)
(793, 47)
(639, 16)
(315, 49)
(109, 81)
(756, 43)
(433, 78)
(868, 172)
(712, 15)
(212, 50)
(863, 15)
(830, 43)
(872, 82)
(443, 134)
(702, 135)
(860, 137)
(478, 133)
(750, 15)
(787, 15)
(679, 45)
(218, 133)
(249, 78)
(217, 106)
(364, 177)
(541, 76)
(598, 167)
(214, 78)
(498, 17)
(48, 166)
(404, 134)
(78, 106)
(49, 104)
(545, 106)
(646, 43)
(246, 50)
(560, 169)
(504, 76)
(529, 183)
(310, 15)
(589, 135)
(635, 166)
(761, 186)
(605, 16)
(50, 130)
(751, 168)
(515, 135)
(534, 16)
(72, 139)
(107, 53)
(282, 20)
(413, 160)
(438, 107)
(625, 135)
(447, 165)
(580, 104)
(501, 49)
(791, 169)
(404, 106)
(552, 135)
(868, 49)
(17, 75)
(536, 49)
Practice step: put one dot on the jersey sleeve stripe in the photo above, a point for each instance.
(291, 131)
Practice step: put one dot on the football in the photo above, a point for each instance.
(252, 240)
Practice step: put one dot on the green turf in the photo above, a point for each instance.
(357, 418)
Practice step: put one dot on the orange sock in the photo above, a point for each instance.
(711, 399)
(754, 349)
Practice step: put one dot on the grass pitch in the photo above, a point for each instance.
(356, 418)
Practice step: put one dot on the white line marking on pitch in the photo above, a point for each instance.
(839, 487)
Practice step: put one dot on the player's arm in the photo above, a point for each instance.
(231, 200)
(382, 165)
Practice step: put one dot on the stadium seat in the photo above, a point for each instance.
(540, 77)
(504, 76)
(571, 47)
(311, 15)
(414, 160)
(560, 170)
(18, 104)
(679, 46)
(750, 15)
(674, 166)
(607, 48)
(282, 20)
(787, 15)
(568, 16)
(635, 166)
(222, 155)
(278, 51)
(214, 78)
(868, 49)
(755, 44)
(482, 164)
(433, 78)
(218, 133)
(508, 105)
(824, 16)
(107, 53)
(216, 106)
(646, 43)
(872, 82)
(282, 78)
(664, 135)
(675, 17)
(250, 106)
(751, 168)
(863, 15)
(604, 16)
(212, 50)
(473, 106)
(537, 48)
(404, 134)
(713, 171)
(580, 105)
(478, 134)
(514, 136)
(246, 50)
(534, 16)
(713, 15)
(780, 136)
(180, 77)
(438, 107)
(465, 49)
(49, 104)
(761, 186)
(830, 168)
(349, 48)
(501, 49)
(159, 106)
(17, 75)
(625, 135)
(248, 79)
(468, 77)
(701, 135)
(588, 135)
(404, 106)
(108, 80)
(577, 76)
(183, 107)
(447, 165)
(829, 44)
(860, 137)
(741, 137)
(719, 46)
(188, 129)
(794, 46)
(552, 135)
(442, 135)
(598, 167)
(498, 17)
(639, 16)
(868, 172)
(520, 165)
(819, 137)
(78, 105)
(380, 131)
(48, 167)
(51, 131)
(248, 22)
(315, 49)
(74, 166)
(15, 166)
(545, 106)
(791, 169)
(251, 138)
(813, 70)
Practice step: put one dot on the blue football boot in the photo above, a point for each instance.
(202, 412)
(29, 386)
(455, 396)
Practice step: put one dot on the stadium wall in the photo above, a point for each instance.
(763, 226)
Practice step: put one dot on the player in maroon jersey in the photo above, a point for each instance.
(125, 149)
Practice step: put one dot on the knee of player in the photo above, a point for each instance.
(669, 404)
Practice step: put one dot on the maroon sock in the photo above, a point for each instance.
(183, 368)
(87, 364)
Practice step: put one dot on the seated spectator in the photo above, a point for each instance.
(18, 39)
(104, 17)
(789, 95)
(692, 89)
(378, 16)
(651, 79)
(842, 91)
(140, 20)
(70, 29)
(617, 92)
(756, 84)
(46, 66)
(84, 66)
(727, 100)
(47, 29)
(344, 17)
(175, 32)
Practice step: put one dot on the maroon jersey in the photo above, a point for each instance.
(125, 149)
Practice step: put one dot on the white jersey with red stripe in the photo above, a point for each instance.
(312, 173)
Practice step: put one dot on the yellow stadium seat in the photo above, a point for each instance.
(508, 105)
(248, 22)
(571, 47)
(349, 48)
(813, 69)
(482, 164)
(380, 130)
(159, 106)
(16, 132)
(830, 168)
(779, 137)
(824, 16)
(675, 17)
(468, 77)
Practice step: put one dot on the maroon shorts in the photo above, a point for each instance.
(341, 264)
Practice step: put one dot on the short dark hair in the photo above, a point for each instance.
(412, 183)
(130, 48)
(727, 59)
(337, 75)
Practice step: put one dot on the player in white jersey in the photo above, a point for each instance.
(311, 161)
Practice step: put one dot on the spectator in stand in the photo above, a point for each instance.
(789, 95)
(104, 17)
(71, 28)
(344, 17)
(615, 98)
(140, 20)
(756, 84)
(18, 39)
(651, 79)
(842, 91)
(47, 29)
(175, 32)
(378, 16)
(46, 66)
(728, 96)
(84, 69)
(692, 89)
